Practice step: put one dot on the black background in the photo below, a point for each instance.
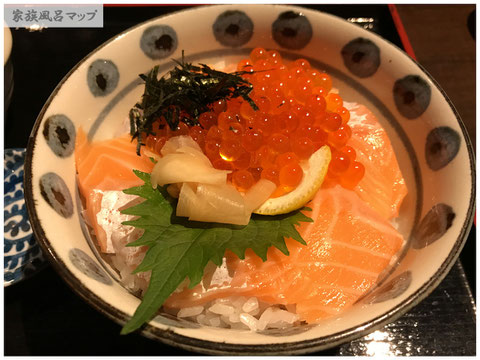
(45, 317)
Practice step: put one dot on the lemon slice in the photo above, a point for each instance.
(314, 171)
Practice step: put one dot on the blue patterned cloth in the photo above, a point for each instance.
(22, 255)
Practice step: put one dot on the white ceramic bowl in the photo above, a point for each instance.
(431, 143)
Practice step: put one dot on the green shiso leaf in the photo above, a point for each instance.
(180, 249)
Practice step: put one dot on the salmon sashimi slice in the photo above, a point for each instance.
(97, 151)
(108, 164)
(118, 171)
(104, 166)
(348, 246)
(114, 157)
(383, 186)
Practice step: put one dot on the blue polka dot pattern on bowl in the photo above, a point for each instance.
(412, 96)
(233, 28)
(361, 57)
(159, 41)
(433, 226)
(102, 77)
(22, 254)
(88, 266)
(59, 132)
(56, 194)
(441, 147)
(292, 30)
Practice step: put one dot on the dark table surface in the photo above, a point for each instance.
(45, 317)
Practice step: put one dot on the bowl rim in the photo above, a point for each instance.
(217, 348)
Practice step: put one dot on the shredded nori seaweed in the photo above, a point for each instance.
(183, 94)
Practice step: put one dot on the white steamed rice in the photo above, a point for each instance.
(235, 312)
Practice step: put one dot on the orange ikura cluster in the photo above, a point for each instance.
(297, 115)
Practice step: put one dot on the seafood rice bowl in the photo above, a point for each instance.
(252, 185)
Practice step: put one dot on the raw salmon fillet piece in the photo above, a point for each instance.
(106, 165)
(348, 246)
(383, 186)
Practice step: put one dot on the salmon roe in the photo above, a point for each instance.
(298, 113)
